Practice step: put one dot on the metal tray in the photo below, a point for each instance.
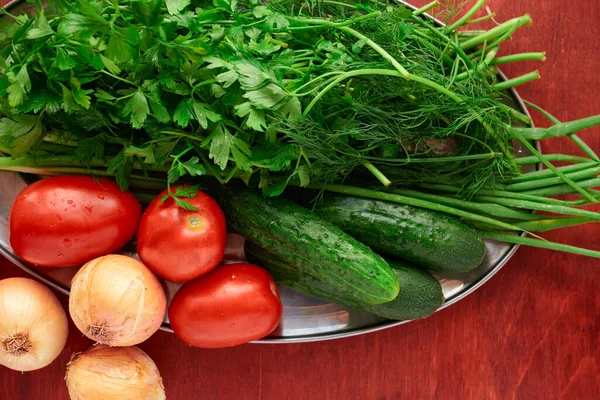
(305, 319)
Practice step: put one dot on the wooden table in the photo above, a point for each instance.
(532, 332)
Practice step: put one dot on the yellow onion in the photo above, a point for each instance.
(117, 301)
(114, 373)
(33, 325)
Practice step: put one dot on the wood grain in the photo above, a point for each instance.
(532, 332)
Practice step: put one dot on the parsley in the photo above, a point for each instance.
(274, 93)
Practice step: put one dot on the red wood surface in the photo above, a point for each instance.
(532, 332)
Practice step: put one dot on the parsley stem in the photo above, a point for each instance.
(185, 135)
(210, 167)
(118, 78)
(329, 23)
(4, 148)
(231, 174)
(339, 3)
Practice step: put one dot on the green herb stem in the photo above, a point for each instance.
(466, 17)
(480, 19)
(540, 56)
(377, 173)
(545, 173)
(510, 83)
(548, 164)
(551, 157)
(545, 182)
(560, 129)
(426, 8)
(516, 239)
(495, 210)
(580, 143)
(506, 194)
(568, 189)
(396, 198)
(530, 205)
(498, 30)
(545, 225)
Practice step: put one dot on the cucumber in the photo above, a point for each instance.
(420, 293)
(425, 238)
(318, 250)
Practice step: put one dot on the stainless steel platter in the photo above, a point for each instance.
(305, 319)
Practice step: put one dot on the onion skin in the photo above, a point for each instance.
(33, 325)
(114, 373)
(116, 300)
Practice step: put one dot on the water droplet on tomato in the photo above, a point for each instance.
(59, 217)
(233, 277)
(60, 255)
(69, 201)
(88, 207)
(232, 325)
(67, 242)
(101, 196)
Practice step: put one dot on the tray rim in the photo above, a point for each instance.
(333, 335)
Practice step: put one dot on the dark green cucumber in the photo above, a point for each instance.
(425, 238)
(420, 293)
(319, 250)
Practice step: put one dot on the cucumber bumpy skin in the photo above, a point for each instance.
(425, 238)
(420, 294)
(320, 251)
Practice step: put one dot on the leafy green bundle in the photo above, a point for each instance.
(311, 93)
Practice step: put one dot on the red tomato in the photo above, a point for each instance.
(70, 220)
(232, 305)
(180, 245)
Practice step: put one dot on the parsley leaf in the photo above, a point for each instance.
(203, 114)
(137, 107)
(255, 119)
(220, 146)
(182, 114)
(266, 97)
(182, 191)
(42, 28)
(176, 6)
(193, 167)
(146, 153)
(123, 167)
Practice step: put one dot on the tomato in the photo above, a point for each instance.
(180, 245)
(232, 305)
(70, 220)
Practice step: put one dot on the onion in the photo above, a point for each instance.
(115, 300)
(119, 373)
(33, 325)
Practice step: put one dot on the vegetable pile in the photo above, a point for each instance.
(347, 97)
(354, 145)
